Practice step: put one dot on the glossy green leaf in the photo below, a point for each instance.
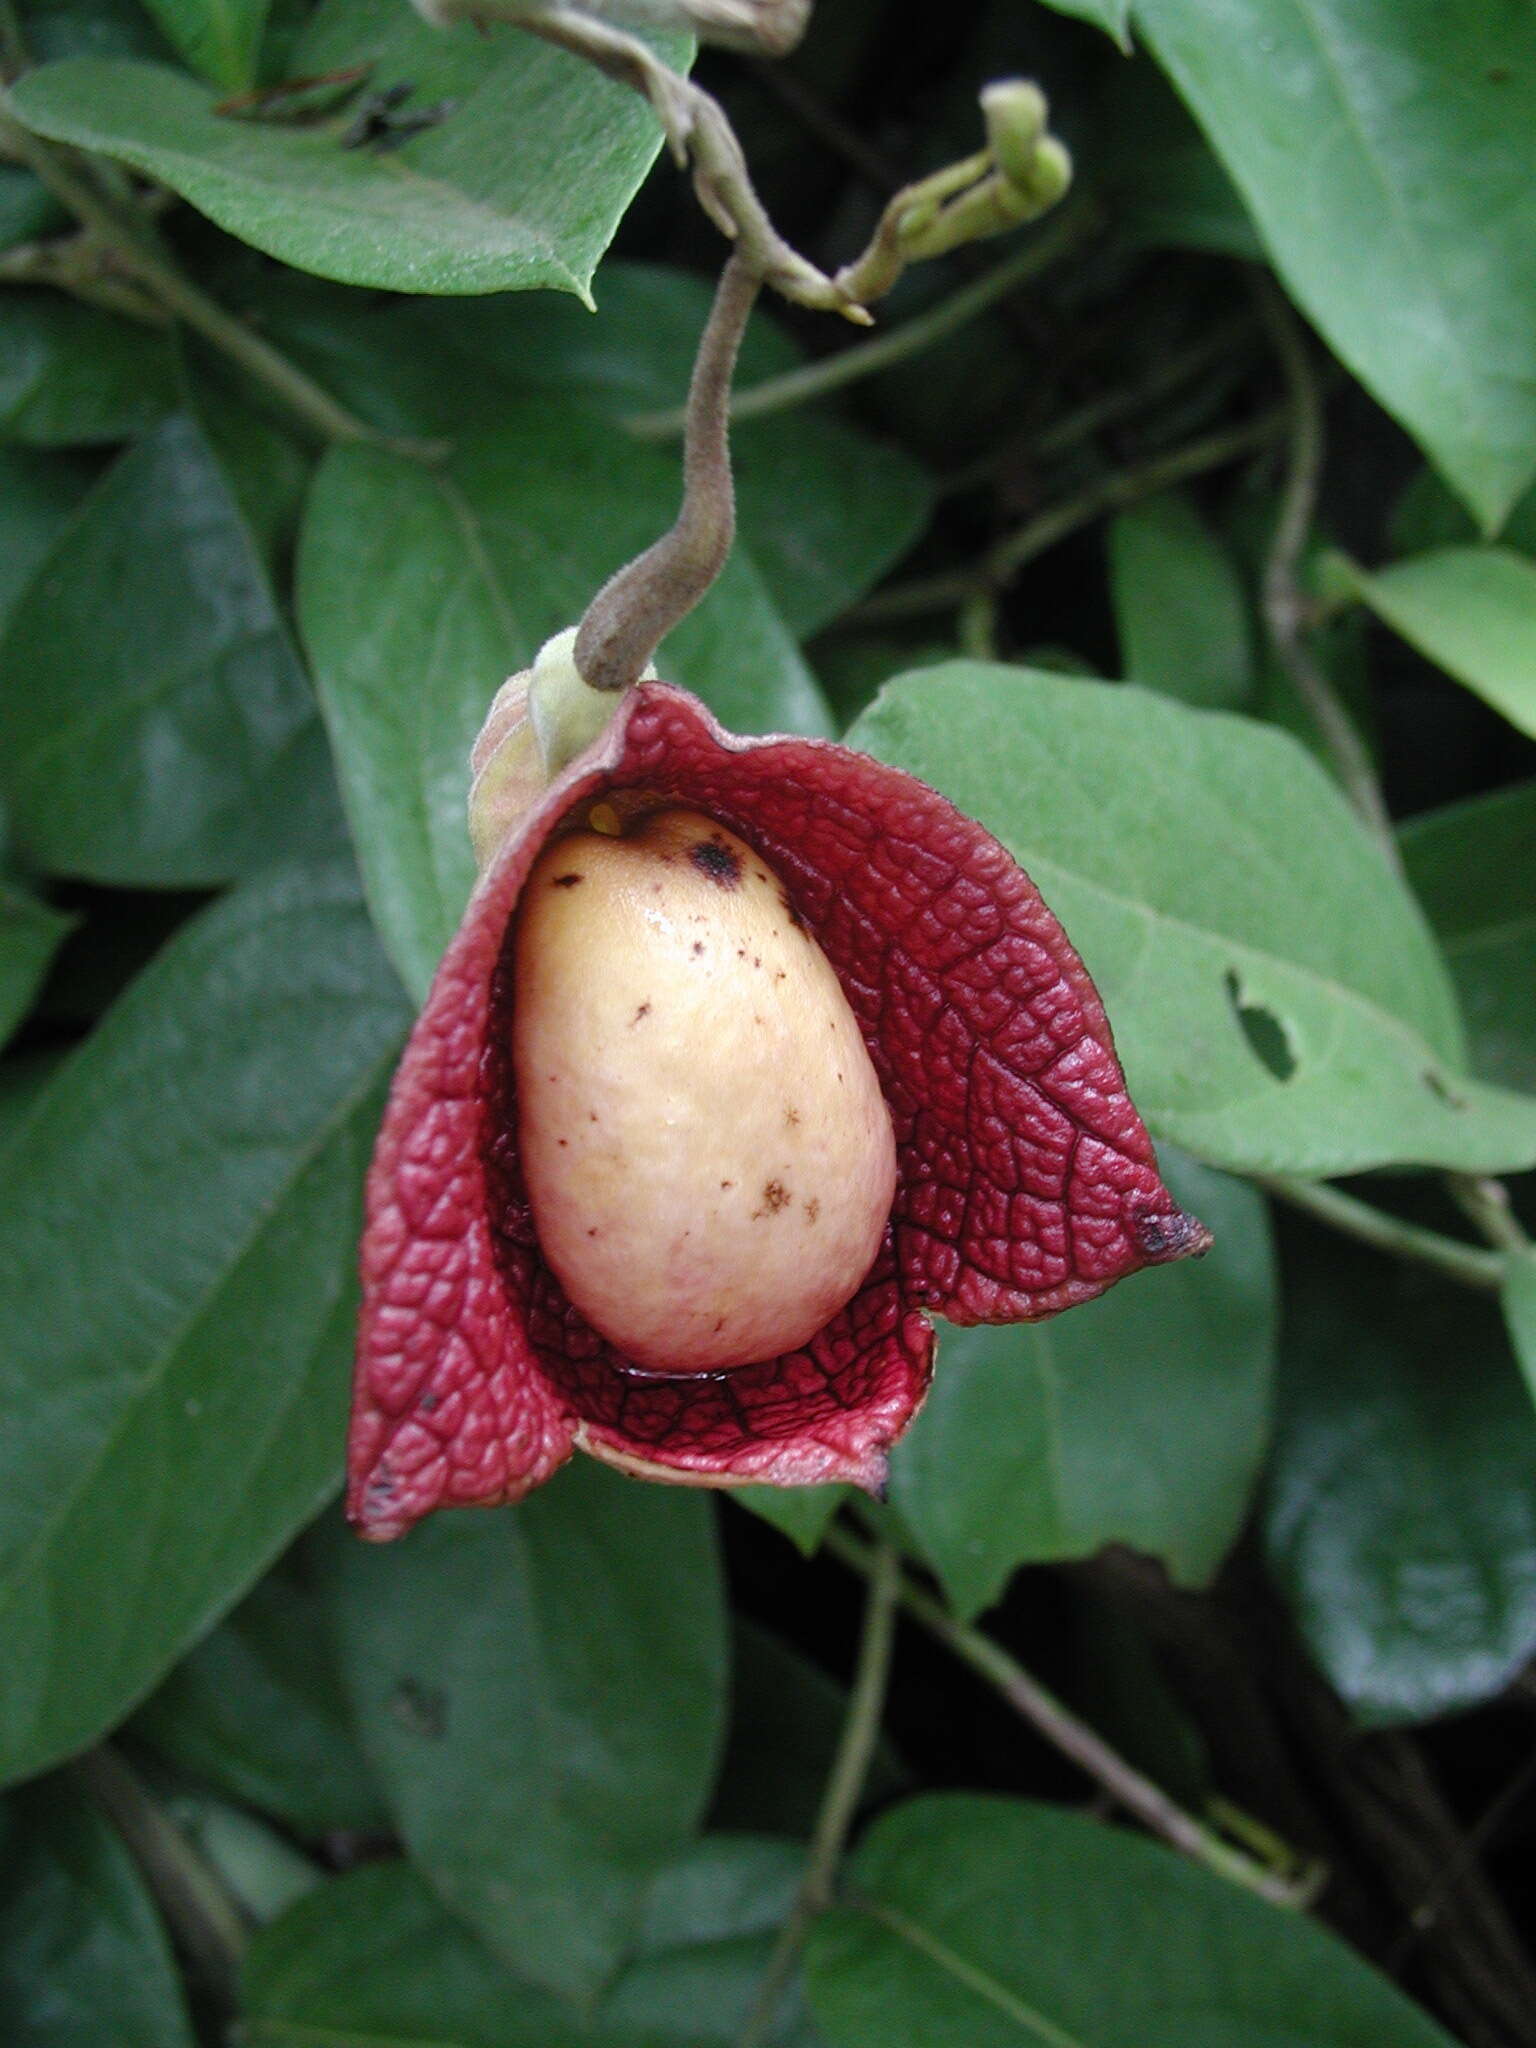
(542, 1695)
(988, 1923)
(823, 509)
(38, 496)
(28, 210)
(1520, 1314)
(30, 935)
(521, 184)
(421, 589)
(1140, 1418)
(1471, 611)
(1164, 181)
(1179, 606)
(22, 1082)
(799, 1512)
(1113, 16)
(1428, 515)
(1401, 1520)
(72, 375)
(258, 1710)
(156, 726)
(1473, 867)
(83, 1958)
(374, 1959)
(1276, 997)
(218, 38)
(705, 1942)
(176, 1288)
(1402, 131)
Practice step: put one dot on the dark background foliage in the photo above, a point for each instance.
(305, 442)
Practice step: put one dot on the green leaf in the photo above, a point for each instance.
(30, 935)
(72, 375)
(22, 1082)
(985, 1923)
(28, 210)
(542, 1694)
(1276, 997)
(1471, 611)
(799, 1512)
(373, 1957)
(421, 589)
(38, 496)
(258, 1710)
(1401, 1521)
(705, 1944)
(1473, 867)
(176, 1287)
(1140, 1418)
(1179, 606)
(1113, 16)
(1406, 129)
(218, 38)
(521, 184)
(824, 510)
(1428, 516)
(83, 1959)
(1520, 1314)
(156, 726)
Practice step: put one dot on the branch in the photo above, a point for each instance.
(1075, 1739)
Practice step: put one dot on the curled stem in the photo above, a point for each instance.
(816, 380)
(1075, 1739)
(844, 1787)
(636, 608)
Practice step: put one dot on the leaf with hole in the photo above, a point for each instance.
(989, 1923)
(1277, 1000)
(1401, 1523)
(1140, 1418)
(420, 589)
(1402, 132)
(473, 182)
(541, 1692)
(177, 1292)
(1473, 867)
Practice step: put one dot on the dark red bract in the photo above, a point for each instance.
(1026, 1182)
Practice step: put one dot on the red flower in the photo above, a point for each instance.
(1025, 1180)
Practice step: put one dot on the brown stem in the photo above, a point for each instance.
(636, 608)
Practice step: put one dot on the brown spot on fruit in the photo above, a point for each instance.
(775, 1197)
(716, 861)
(791, 1116)
(812, 1210)
(565, 881)
(644, 1010)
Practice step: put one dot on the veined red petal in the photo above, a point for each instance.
(1026, 1181)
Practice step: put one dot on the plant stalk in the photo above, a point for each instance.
(844, 1788)
(1460, 1262)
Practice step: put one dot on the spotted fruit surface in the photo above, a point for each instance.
(709, 1159)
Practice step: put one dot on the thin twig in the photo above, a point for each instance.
(1069, 429)
(844, 1787)
(1486, 1202)
(636, 608)
(1460, 1262)
(816, 380)
(1287, 611)
(131, 251)
(197, 1905)
(1075, 1739)
(1110, 493)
